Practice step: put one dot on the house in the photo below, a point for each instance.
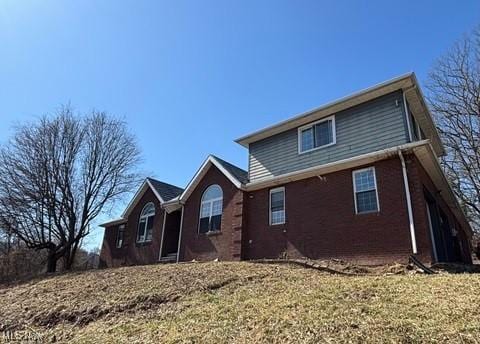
(356, 179)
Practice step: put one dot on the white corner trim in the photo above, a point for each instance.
(407, 116)
(409, 203)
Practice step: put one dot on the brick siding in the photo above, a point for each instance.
(225, 245)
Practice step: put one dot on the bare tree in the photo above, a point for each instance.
(454, 97)
(5, 242)
(59, 174)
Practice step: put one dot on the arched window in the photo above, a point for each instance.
(211, 209)
(145, 224)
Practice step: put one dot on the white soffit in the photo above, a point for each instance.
(429, 161)
(401, 82)
(407, 82)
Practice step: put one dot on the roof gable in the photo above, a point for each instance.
(240, 174)
(163, 191)
(234, 174)
(407, 83)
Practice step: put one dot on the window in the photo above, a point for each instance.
(145, 225)
(316, 135)
(211, 209)
(365, 190)
(277, 206)
(120, 233)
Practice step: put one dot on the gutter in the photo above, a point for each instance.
(409, 203)
(331, 167)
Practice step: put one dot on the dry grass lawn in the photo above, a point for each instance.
(243, 303)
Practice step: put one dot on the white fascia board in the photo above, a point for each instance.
(202, 171)
(145, 185)
(172, 205)
(428, 159)
(397, 83)
(155, 192)
(339, 165)
(408, 83)
(194, 181)
(421, 112)
(227, 174)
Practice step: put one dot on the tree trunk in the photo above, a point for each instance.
(69, 261)
(52, 262)
(70, 257)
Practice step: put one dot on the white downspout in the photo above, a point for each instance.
(409, 203)
(180, 234)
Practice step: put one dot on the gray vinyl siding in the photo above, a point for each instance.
(368, 127)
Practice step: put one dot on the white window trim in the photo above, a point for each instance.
(123, 237)
(146, 222)
(270, 206)
(355, 190)
(211, 208)
(310, 125)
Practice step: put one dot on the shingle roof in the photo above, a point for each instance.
(166, 191)
(237, 172)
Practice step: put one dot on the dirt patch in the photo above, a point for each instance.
(340, 267)
(53, 317)
(79, 299)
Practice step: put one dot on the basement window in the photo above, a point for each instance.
(120, 235)
(277, 206)
(317, 135)
(365, 190)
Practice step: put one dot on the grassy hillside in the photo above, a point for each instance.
(243, 302)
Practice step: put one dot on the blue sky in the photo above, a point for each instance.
(191, 76)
